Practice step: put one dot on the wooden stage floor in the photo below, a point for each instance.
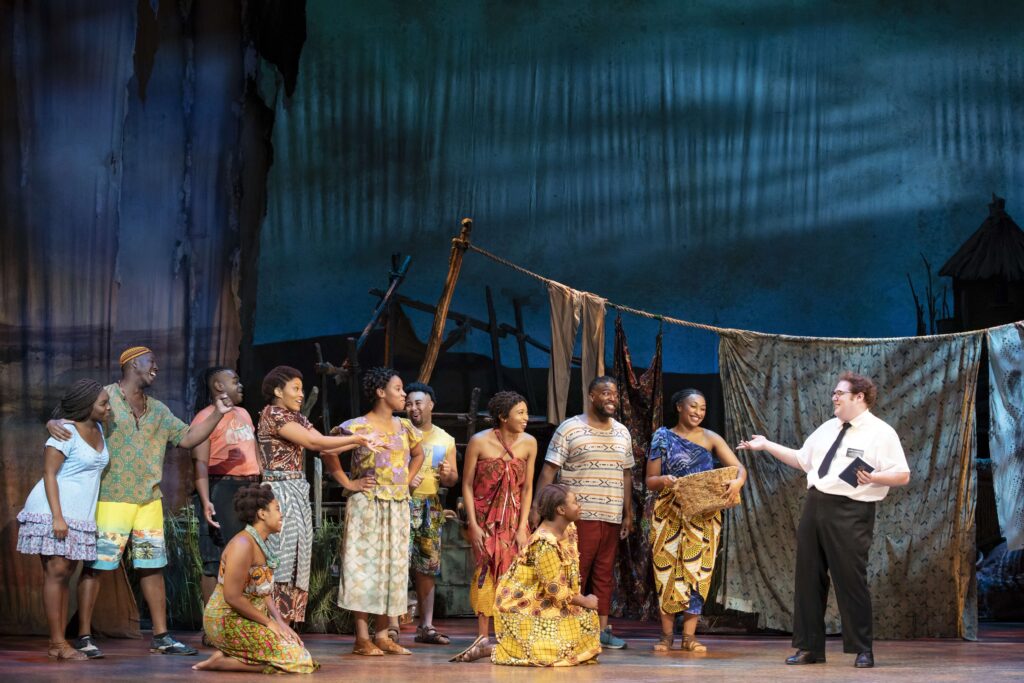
(998, 655)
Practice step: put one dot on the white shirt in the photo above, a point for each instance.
(868, 438)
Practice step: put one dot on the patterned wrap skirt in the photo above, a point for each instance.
(375, 556)
(294, 545)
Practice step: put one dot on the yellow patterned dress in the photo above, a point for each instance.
(534, 622)
(682, 550)
(246, 640)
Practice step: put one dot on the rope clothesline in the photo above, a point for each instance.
(724, 331)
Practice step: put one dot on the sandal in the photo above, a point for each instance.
(664, 643)
(480, 648)
(62, 651)
(365, 646)
(690, 644)
(394, 634)
(390, 647)
(428, 634)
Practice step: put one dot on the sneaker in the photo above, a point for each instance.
(87, 647)
(166, 645)
(610, 641)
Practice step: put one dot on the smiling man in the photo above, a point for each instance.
(851, 461)
(129, 507)
(592, 454)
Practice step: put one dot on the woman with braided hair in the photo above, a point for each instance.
(58, 522)
(375, 552)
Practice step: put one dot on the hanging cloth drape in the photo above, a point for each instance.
(568, 308)
(1006, 431)
(924, 532)
(641, 412)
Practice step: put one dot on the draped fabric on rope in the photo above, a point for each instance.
(641, 400)
(1006, 433)
(924, 533)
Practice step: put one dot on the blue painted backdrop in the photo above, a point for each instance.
(768, 165)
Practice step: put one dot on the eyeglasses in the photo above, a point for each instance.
(839, 392)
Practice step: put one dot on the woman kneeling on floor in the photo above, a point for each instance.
(541, 619)
(241, 620)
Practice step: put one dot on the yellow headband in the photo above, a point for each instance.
(133, 353)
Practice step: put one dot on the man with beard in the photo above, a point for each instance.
(427, 509)
(223, 465)
(592, 454)
(129, 504)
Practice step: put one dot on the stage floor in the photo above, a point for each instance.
(998, 655)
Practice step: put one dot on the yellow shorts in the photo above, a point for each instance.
(144, 524)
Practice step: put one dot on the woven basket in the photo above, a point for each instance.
(704, 492)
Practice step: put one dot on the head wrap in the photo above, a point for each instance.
(133, 353)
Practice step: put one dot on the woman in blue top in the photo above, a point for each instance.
(58, 522)
(683, 550)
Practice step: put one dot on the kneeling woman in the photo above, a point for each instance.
(241, 620)
(541, 619)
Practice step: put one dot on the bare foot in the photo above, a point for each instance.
(221, 662)
(211, 663)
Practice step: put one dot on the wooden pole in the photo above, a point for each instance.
(459, 245)
(492, 328)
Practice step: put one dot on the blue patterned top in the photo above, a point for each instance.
(679, 457)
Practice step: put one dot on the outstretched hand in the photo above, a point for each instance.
(756, 442)
(223, 404)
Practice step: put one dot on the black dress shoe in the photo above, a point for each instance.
(805, 657)
(865, 660)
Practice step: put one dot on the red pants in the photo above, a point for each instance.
(599, 544)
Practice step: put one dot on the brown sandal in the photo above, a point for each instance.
(690, 644)
(365, 647)
(390, 647)
(62, 651)
(480, 648)
(664, 643)
(430, 635)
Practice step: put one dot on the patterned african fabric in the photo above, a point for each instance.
(591, 462)
(375, 556)
(426, 517)
(437, 444)
(535, 623)
(137, 448)
(293, 546)
(641, 411)
(246, 640)
(276, 453)
(390, 465)
(497, 500)
(682, 550)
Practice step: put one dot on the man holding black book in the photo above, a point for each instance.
(851, 461)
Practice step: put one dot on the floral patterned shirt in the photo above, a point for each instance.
(276, 453)
(391, 464)
(137, 449)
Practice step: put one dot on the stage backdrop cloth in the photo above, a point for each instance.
(921, 564)
(1006, 430)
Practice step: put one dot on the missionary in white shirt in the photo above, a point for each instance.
(838, 519)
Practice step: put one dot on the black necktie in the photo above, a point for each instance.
(827, 462)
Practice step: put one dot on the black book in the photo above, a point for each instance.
(849, 475)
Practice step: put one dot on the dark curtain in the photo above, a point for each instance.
(640, 398)
(118, 179)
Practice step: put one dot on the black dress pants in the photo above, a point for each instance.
(833, 538)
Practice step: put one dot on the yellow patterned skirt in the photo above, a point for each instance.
(683, 553)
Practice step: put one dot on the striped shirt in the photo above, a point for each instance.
(592, 463)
